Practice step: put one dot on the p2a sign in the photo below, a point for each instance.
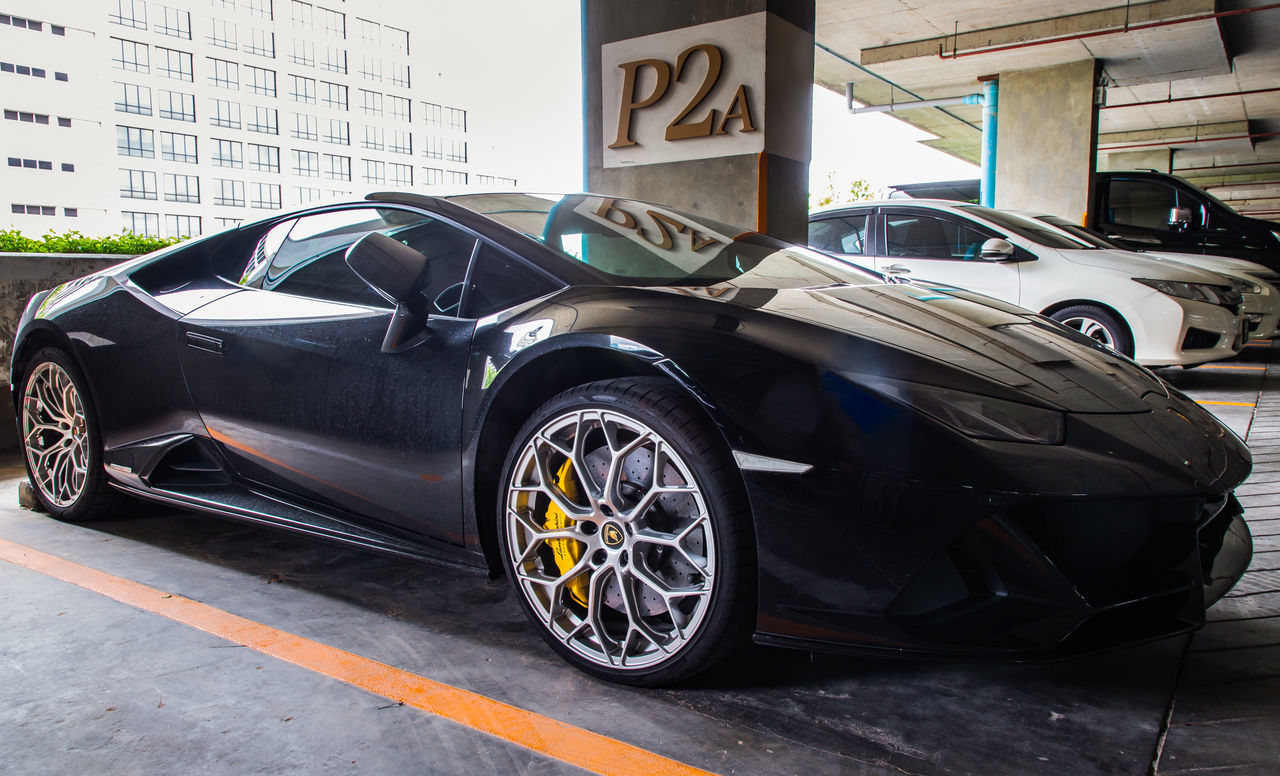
(691, 93)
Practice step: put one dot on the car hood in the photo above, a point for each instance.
(961, 340)
(1212, 263)
(1143, 265)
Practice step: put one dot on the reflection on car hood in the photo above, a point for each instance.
(1212, 263)
(1142, 265)
(1005, 351)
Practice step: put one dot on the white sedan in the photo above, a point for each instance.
(1161, 313)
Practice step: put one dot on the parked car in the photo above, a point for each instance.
(1159, 313)
(670, 434)
(1257, 284)
(1148, 210)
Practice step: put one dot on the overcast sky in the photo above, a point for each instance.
(522, 83)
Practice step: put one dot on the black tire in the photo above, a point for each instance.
(1099, 325)
(668, 611)
(60, 440)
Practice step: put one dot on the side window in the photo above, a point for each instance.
(307, 256)
(1148, 204)
(847, 234)
(930, 237)
(499, 281)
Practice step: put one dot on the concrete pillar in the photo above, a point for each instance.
(740, 152)
(1160, 160)
(1048, 139)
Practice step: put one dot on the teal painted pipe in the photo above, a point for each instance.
(990, 113)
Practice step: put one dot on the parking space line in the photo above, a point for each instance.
(555, 739)
(1228, 403)
(1233, 367)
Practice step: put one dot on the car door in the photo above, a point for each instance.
(1139, 213)
(290, 380)
(846, 234)
(930, 245)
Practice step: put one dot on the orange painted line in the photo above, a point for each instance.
(1229, 403)
(533, 731)
(1232, 366)
(1258, 344)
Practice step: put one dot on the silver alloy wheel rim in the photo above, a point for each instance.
(55, 434)
(1091, 329)
(645, 558)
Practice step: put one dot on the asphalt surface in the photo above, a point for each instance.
(91, 684)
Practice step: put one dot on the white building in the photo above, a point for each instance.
(182, 117)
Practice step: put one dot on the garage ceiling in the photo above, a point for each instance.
(1196, 76)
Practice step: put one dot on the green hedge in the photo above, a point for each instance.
(13, 241)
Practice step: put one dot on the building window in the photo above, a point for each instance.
(261, 42)
(370, 102)
(173, 22)
(335, 59)
(306, 163)
(132, 98)
(259, 8)
(433, 114)
(63, 122)
(457, 119)
(177, 147)
(36, 118)
(34, 210)
(129, 13)
(228, 153)
(228, 192)
(182, 226)
(260, 80)
(397, 40)
(68, 167)
(223, 34)
(401, 142)
(56, 76)
(333, 23)
(135, 141)
(174, 64)
(401, 174)
(226, 113)
(143, 224)
(338, 132)
(264, 158)
(371, 68)
(400, 74)
(224, 74)
(457, 151)
(302, 15)
(57, 29)
(374, 138)
(337, 168)
(179, 106)
(181, 188)
(265, 120)
(453, 177)
(227, 223)
(302, 89)
(374, 171)
(333, 95)
(305, 194)
(370, 33)
(399, 107)
(304, 52)
(305, 127)
(432, 147)
(266, 196)
(138, 184)
(129, 55)
(71, 212)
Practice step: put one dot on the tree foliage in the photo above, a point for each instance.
(14, 241)
(857, 190)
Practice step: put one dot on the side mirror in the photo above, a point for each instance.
(397, 272)
(1179, 217)
(997, 250)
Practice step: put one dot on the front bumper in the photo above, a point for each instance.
(1170, 331)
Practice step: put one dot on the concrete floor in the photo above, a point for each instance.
(88, 684)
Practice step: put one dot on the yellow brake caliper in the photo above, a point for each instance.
(566, 551)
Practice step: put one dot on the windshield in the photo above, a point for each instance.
(631, 243)
(1028, 228)
(1082, 233)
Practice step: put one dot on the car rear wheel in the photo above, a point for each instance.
(625, 532)
(1098, 325)
(62, 447)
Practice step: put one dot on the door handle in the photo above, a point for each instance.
(206, 343)
(897, 269)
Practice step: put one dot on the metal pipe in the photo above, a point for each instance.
(891, 84)
(1240, 185)
(1228, 166)
(990, 114)
(1211, 139)
(941, 102)
(1188, 99)
(1096, 33)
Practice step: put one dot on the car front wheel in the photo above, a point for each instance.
(1098, 325)
(625, 532)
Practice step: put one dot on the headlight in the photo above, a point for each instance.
(1200, 292)
(1244, 285)
(981, 417)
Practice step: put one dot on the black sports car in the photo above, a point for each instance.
(669, 433)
